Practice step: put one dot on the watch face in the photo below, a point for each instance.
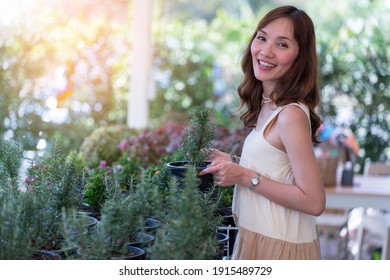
(255, 181)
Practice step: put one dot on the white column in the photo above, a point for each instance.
(138, 105)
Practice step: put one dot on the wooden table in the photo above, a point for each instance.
(367, 191)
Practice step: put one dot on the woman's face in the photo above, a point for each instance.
(274, 50)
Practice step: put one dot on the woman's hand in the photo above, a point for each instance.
(225, 172)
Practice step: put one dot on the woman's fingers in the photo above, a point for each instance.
(211, 168)
(205, 171)
(215, 166)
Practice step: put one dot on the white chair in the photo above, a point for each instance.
(333, 232)
(374, 228)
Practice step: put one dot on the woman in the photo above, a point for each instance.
(279, 189)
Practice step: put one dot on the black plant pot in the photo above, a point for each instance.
(179, 169)
(229, 227)
(142, 240)
(89, 210)
(46, 255)
(222, 240)
(63, 253)
(151, 225)
(133, 253)
(90, 222)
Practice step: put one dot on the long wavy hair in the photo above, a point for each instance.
(299, 84)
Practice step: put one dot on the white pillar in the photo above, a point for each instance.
(140, 81)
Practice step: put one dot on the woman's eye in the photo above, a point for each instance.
(261, 38)
(283, 45)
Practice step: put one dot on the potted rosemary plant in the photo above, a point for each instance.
(116, 234)
(31, 214)
(125, 223)
(55, 183)
(195, 147)
(190, 230)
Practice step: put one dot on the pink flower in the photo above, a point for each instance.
(30, 187)
(122, 145)
(103, 163)
(109, 171)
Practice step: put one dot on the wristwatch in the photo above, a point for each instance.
(255, 181)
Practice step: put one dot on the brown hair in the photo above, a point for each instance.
(299, 84)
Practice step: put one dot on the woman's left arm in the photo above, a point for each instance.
(308, 195)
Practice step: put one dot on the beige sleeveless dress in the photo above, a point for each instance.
(267, 230)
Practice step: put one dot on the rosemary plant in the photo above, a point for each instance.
(197, 137)
(15, 228)
(190, 231)
(11, 154)
(56, 183)
(120, 222)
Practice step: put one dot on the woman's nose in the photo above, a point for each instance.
(266, 51)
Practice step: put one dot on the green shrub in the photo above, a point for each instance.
(102, 144)
(104, 182)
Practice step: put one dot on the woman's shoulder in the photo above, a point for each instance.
(293, 113)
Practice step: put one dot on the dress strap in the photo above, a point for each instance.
(273, 116)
